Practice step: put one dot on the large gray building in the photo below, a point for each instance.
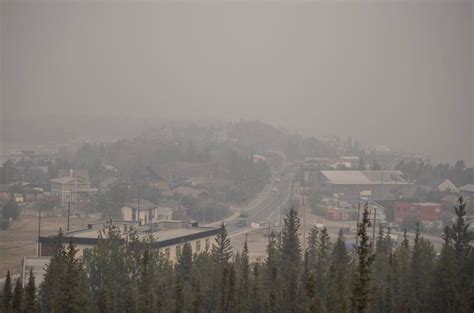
(352, 185)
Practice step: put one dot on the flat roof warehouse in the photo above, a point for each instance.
(165, 233)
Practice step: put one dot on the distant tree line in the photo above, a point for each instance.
(129, 276)
(428, 175)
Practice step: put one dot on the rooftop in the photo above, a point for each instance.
(364, 177)
(165, 232)
(468, 188)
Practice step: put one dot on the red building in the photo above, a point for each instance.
(426, 211)
(333, 214)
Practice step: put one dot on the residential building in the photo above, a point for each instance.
(170, 236)
(70, 189)
(467, 190)
(448, 186)
(145, 212)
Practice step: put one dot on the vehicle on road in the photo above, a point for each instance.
(244, 214)
(241, 222)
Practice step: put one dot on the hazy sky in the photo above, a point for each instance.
(398, 73)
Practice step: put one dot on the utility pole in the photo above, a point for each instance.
(291, 195)
(68, 213)
(304, 223)
(39, 232)
(357, 230)
(373, 231)
(138, 205)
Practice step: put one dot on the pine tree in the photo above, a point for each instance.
(459, 237)
(338, 282)
(231, 301)
(256, 298)
(184, 266)
(198, 300)
(49, 294)
(362, 279)
(244, 280)
(322, 267)
(312, 250)
(7, 294)
(74, 287)
(145, 285)
(291, 260)
(405, 241)
(17, 297)
(179, 295)
(272, 281)
(221, 251)
(31, 302)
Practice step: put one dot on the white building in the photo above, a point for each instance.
(145, 212)
(70, 189)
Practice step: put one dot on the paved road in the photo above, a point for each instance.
(265, 209)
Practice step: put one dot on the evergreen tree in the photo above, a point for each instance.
(56, 268)
(362, 280)
(31, 302)
(322, 267)
(338, 282)
(244, 280)
(221, 251)
(312, 250)
(272, 281)
(198, 300)
(145, 285)
(7, 294)
(74, 288)
(401, 279)
(291, 260)
(256, 298)
(17, 297)
(459, 237)
(184, 266)
(179, 295)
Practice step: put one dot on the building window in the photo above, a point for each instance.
(198, 245)
(167, 252)
(208, 244)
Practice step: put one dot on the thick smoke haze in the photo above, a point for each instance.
(395, 73)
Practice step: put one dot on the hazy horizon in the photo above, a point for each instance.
(396, 74)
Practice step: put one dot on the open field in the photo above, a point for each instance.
(20, 239)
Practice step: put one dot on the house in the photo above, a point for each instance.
(467, 190)
(448, 186)
(70, 189)
(169, 236)
(425, 211)
(349, 185)
(145, 212)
